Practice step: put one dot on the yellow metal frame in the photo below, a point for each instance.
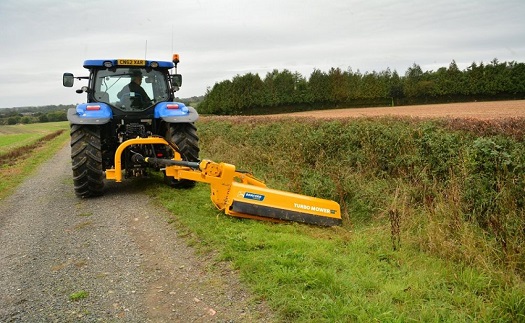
(240, 194)
(116, 173)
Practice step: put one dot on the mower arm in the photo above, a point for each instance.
(240, 194)
(237, 193)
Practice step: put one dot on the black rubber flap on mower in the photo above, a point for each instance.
(275, 213)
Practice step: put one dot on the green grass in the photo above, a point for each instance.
(310, 274)
(8, 142)
(448, 266)
(14, 136)
(38, 128)
(77, 296)
(15, 171)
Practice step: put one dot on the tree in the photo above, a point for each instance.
(455, 84)
(300, 89)
(475, 78)
(43, 118)
(413, 76)
(517, 78)
(338, 91)
(284, 86)
(319, 87)
(353, 84)
(396, 86)
(246, 92)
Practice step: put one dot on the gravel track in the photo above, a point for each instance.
(118, 248)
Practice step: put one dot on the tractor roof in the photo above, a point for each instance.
(90, 63)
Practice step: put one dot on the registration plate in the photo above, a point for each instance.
(132, 62)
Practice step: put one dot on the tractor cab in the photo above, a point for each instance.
(129, 84)
(130, 88)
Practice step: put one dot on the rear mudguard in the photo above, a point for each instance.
(100, 113)
(175, 112)
(90, 113)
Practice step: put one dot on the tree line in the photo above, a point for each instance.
(26, 115)
(281, 91)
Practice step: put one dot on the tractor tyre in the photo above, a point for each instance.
(86, 157)
(184, 136)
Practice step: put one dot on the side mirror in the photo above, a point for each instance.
(68, 79)
(176, 79)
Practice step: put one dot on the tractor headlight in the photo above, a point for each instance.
(154, 64)
(108, 64)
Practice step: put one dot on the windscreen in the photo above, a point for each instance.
(131, 89)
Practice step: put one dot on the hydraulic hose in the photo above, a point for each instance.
(138, 158)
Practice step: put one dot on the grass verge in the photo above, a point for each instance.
(424, 179)
(16, 168)
(310, 274)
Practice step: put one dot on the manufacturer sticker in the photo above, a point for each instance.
(253, 196)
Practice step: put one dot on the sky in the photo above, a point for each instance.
(219, 39)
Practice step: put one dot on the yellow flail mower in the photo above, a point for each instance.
(237, 193)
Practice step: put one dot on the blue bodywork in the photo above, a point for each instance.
(100, 63)
(83, 114)
(162, 111)
(103, 112)
(181, 113)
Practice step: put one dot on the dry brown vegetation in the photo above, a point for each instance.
(470, 110)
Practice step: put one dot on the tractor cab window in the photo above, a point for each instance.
(130, 88)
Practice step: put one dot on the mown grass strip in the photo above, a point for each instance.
(11, 141)
(12, 155)
(13, 170)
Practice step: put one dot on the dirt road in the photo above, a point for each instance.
(114, 258)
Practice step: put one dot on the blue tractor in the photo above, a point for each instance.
(129, 99)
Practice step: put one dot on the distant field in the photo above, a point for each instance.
(15, 136)
(472, 110)
(23, 147)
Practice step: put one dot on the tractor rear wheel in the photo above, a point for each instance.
(86, 157)
(184, 136)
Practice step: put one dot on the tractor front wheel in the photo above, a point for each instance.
(86, 157)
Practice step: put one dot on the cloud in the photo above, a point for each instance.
(218, 39)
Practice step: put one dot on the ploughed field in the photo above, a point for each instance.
(474, 110)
